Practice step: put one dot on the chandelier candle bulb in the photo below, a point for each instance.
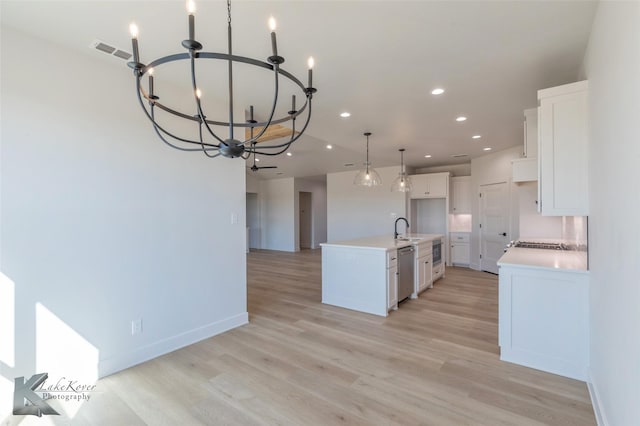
(191, 8)
(293, 102)
(272, 26)
(310, 62)
(133, 29)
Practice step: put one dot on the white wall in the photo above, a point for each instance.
(278, 218)
(488, 169)
(318, 190)
(612, 66)
(103, 224)
(356, 211)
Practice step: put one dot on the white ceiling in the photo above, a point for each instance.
(378, 60)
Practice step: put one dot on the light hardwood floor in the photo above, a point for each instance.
(433, 362)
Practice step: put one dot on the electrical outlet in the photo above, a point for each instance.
(136, 326)
(234, 218)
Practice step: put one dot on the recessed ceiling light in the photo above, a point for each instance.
(329, 146)
(461, 118)
(289, 154)
(437, 91)
(427, 156)
(345, 114)
(487, 149)
(476, 137)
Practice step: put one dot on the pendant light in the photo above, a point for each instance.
(402, 182)
(368, 176)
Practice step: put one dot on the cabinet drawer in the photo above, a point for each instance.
(392, 258)
(424, 249)
(459, 237)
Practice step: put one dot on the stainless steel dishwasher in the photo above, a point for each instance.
(405, 272)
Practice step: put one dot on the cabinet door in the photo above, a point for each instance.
(562, 128)
(460, 253)
(437, 185)
(461, 194)
(419, 186)
(392, 287)
(424, 273)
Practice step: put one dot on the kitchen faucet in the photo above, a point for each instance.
(395, 227)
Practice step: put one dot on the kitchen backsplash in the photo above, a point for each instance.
(460, 223)
(574, 231)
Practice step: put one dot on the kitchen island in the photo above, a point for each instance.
(361, 274)
(543, 306)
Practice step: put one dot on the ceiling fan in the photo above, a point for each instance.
(255, 168)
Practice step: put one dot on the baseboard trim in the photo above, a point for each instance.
(117, 363)
(598, 409)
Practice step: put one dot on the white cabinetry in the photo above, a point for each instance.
(543, 319)
(392, 279)
(432, 185)
(460, 252)
(530, 133)
(526, 169)
(423, 279)
(461, 194)
(562, 133)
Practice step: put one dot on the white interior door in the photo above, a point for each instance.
(494, 225)
(305, 220)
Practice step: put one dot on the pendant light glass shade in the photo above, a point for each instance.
(403, 181)
(368, 176)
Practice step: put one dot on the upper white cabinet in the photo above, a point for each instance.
(461, 194)
(562, 136)
(530, 133)
(432, 185)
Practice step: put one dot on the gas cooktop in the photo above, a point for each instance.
(539, 245)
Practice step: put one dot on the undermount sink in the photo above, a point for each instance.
(408, 239)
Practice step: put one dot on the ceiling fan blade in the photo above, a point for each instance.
(268, 167)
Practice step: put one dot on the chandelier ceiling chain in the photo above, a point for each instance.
(208, 141)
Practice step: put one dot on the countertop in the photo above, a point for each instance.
(557, 260)
(384, 242)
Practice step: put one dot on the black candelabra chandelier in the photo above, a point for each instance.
(208, 141)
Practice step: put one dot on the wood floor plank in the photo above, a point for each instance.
(434, 361)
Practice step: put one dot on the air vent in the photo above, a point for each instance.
(460, 155)
(110, 50)
(348, 165)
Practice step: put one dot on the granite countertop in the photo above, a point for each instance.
(384, 242)
(557, 260)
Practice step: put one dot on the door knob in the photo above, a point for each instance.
(504, 234)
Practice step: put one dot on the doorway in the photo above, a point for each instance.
(494, 224)
(306, 239)
(253, 221)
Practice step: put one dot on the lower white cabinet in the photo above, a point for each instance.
(392, 287)
(423, 265)
(437, 271)
(543, 319)
(460, 250)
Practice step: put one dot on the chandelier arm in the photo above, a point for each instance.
(304, 128)
(202, 143)
(224, 56)
(198, 104)
(159, 128)
(273, 108)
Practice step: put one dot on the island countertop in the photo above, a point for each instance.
(384, 242)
